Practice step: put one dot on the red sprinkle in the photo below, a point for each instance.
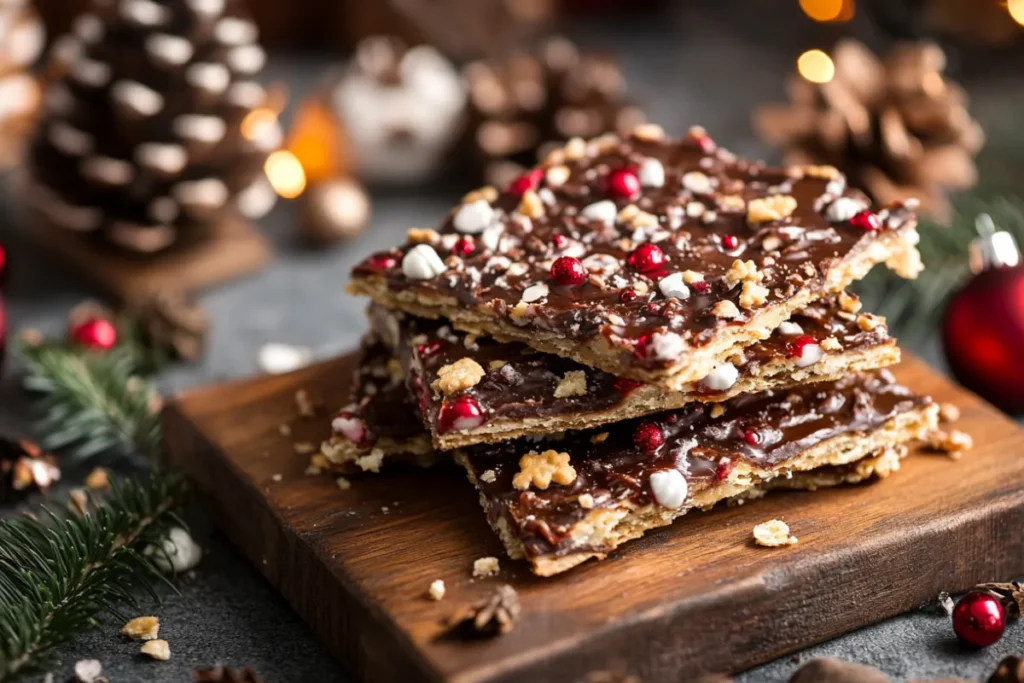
(796, 347)
(627, 295)
(724, 469)
(560, 241)
(752, 437)
(640, 346)
(701, 286)
(464, 246)
(462, 413)
(866, 220)
(526, 182)
(648, 437)
(704, 141)
(626, 385)
(730, 242)
(623, 183)
(429, 349)
(568, 271)
(646, 258)
(382, 261)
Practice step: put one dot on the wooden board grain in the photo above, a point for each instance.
(695, 597)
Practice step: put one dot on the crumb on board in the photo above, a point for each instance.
(948, 413)
(142, 628)
(277, 477)
(436, 590)
(488, 477)
(343, 483)
(485, 566)
(157, 649)
(952, 442)
(773, 534)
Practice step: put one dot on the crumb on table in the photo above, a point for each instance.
(485, 566)
(773, 534)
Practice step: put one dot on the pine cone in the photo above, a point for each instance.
(897, 128)
(170, 321)
(494, 615)
(223, 674)
(542, 96)
(24, 467)
(22, 43)
(142, 142)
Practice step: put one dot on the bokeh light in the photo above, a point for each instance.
(285, 174)
(816, 66)
(1016, 9)
(829, 10)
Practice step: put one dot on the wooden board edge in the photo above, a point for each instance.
(357, 633)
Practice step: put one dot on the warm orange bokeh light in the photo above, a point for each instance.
(255, 120)
(285, 174)
(315, 140)
(816, 66)
(829, 10)
(1016, 10)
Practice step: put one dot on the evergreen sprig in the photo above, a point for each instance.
(57, 573)
(94, 402)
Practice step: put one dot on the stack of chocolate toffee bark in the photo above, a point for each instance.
(637, 328)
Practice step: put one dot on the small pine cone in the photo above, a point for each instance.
(24, 468)
(145, 140)
(494, 615)
(172, 322)
(522, 102)
(897, 127)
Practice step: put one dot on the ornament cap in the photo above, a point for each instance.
(992, 248)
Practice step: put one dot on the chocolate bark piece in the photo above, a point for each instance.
(560, 502)
(648, 258)
(515, 391)
(381, 421)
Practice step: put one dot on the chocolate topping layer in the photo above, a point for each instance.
(614, 466)
(653, 248)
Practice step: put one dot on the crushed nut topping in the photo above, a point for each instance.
(460, 375)
(557, 175)
(530, 205)
(953, 442)
(753, 295)
(691, 276)
(948, 413)
(157, 649)
(831, 344)
(743, 271)
(650, 132)
(343, 483)
(142, 628)
(773, 533)
(488, 476)
(773, 208)
(824, 172)
(422, 236)
(849, 302)
(540, 469)
(599, 438)
(868, 321)
(486, 193)
(573, 384)
(725, 309)
(717, 410)
(485, 566)
(494, 615)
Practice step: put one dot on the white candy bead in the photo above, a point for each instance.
(248, 59)
(422, 263)
(809, 355)
(207, 129)
(474, 217)
(168, 49)
(674, 287)
(107, 170)
(535, 293)
(208, 193)
(651, 173)
(257, 200)
(164, 158)
(604, 211)
(669, 488)
(666, 345)
(214, 78)
(790, 328)
(235, 31)
(843, 209)
(722, 377)
(137, 97)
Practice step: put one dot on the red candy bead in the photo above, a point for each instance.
(623, 183)
(464, 246)
(796, 347)
(701, 286)
(866, 220)
(568, 271)
(526, 182)
(95, 333)
(462, 413)
(646, 258)
(752, 437)
(627, 295)
(979, 619)
(382, 261)
(626, 385)
(648, 437)
(560, 242)
(428, 349)
(730, 242)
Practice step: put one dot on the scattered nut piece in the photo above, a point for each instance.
(484, 567)
(773, 533)
(691, 276)
(436, 590)
(98, 479)
(849, 302)
(488, 476)
(717, 410)
(488, 193)
(575, 148)
(831, 344)
(371, 462)
(343, 483)
(496, 364)
(725, 309)
(462, 374)
(573, 384)
(948, 412)
(753, 295)
(530, 205)
(157, 649)
(277, 476)
(868, 321)
(743, 271)
(773, 208)
(821, 171)
(540, 469)
(650, 132)
(771, 243)
(284, 429)
(586, 501)
(732, 203)
(599, 438)
(142, 628)
(422, 236)
(557, 175)
(953, 442)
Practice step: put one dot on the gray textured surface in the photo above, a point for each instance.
(691, 69)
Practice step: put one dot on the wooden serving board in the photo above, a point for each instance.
(695, 597)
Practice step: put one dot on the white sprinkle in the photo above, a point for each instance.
(144, 12)
(809, 355)
(843, 209)
(68, 140)
(535, 292)
(246, 94)
(422, 263)
(722, 377)
(674, 287)
(257, 200)
(163, 210)
(208, 129)
(651, 173)
(168, 49)
(139, 98)
(208, 193)
(164, 158)
(667, 345)
(603, 211)
(669, 488)
(235, 31)
(790, 328)
(90, 72)
(214, 78)
(89, 28)
(276, 358)
(107, 170)
(248, 59)
(209, 8)
(474, 217)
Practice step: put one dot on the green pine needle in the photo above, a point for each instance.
(59, 573)
(94, 402)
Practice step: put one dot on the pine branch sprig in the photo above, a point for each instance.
(92, 402)
(59, 572)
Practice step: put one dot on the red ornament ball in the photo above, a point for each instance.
(979, 619)
(623, 183)
(526, 182)
(866, 220)
(568, 271)
(648, 437)
(462, 413)
(95, 333)
(646, 258)
(983, 334)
